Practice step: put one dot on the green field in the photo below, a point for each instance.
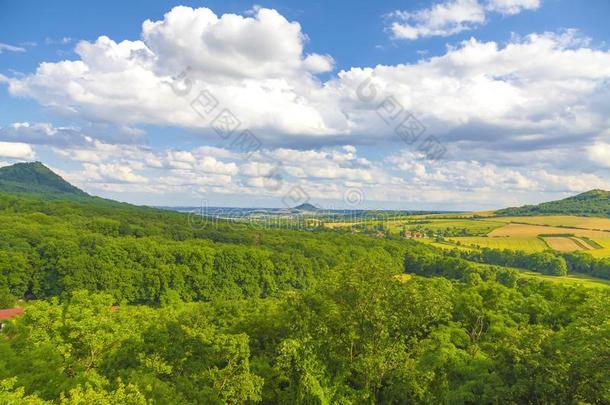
(445, 245)
(570, 279)
(530, 244)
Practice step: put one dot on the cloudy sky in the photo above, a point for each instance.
(456, 104)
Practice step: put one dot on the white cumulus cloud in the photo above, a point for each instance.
(16, 150)
(451, 17)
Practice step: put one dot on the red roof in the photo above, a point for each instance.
(10, 313)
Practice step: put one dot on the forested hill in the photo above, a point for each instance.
(594, 203)
(36, 178)
(138, 306)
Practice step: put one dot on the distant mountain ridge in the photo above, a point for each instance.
(595, 203)
(35, 178)
(306, 207)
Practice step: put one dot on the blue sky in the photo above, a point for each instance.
(514, 92)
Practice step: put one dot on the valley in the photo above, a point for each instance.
(168, 307)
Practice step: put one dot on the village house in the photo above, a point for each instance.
(413, 235)
(7, 314)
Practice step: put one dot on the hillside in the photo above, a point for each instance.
(35, 178)
(594, 203)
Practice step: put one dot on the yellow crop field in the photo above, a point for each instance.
(605, 251)
(524, 230)
(460, 215)
(585, 243)
(560, 220)
(562, 244)
(527, 244)
(605, 242)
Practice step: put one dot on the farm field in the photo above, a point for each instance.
(457, 215)
(470, 225)
(604, 251)
(527, 244)
(446, 245)
(563, 244)
(560, 221)
(525, 230)
(562, 233)
(395, 225)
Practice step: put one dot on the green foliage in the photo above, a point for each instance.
(228, 313)
(9, 394)
(139, 255)
(361, 335)
(586, 264)
(543, 262)
(7, 299)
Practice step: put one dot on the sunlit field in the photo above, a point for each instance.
(527, 244)
(524, 230)
(570, 280)
(561, 221)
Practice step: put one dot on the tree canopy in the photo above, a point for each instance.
(130, 305)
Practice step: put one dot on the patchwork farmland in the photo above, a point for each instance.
(561, 233)
(562, 221)
(525, 230)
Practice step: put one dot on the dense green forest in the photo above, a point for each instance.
(131, 305)
(595, 203)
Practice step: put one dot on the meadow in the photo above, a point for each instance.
(570, 280)
(525, 244)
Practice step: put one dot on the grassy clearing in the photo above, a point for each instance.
(570, 279)
(528, 244)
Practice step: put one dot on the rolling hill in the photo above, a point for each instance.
(306, 207)
(595, 203)
(36, 178)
